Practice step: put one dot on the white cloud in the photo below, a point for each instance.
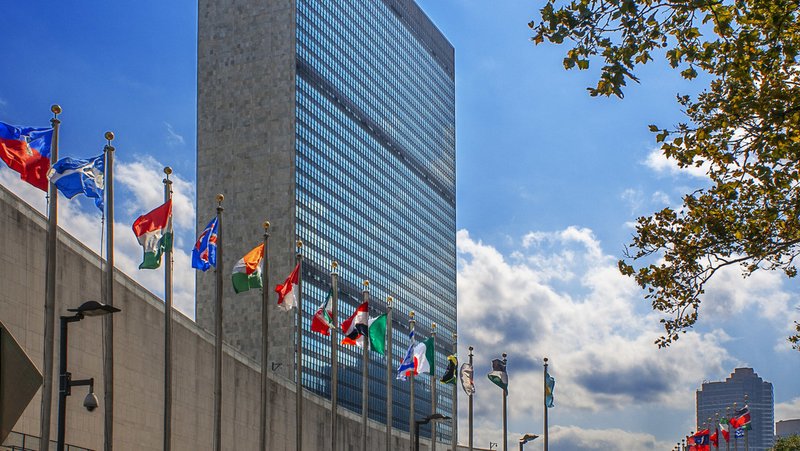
(82, 221)
(601, 348)
(660, 197)
(567, 438)
(661, 164)
(634, 198)
(173, 138)
(787, 410)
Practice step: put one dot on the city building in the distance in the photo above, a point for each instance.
(785, 428)
(335, 121)
(714, 397)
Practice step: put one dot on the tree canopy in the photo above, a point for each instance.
(744, 127)
(790, 443)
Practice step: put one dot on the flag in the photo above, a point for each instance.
(247, 271)
(74, 176)
(377, 334)
(714, 438)
(27, 151)
(739, 432)
(449, 376)
(154, 232)
(467, 383)
(498, 375)
(740, 418)
(701, 439)
(286, 299)
(204, 253)
(356, 327)
(549, 386)
(423, 357)
(725, 434)
(323, 319)
(407, 364)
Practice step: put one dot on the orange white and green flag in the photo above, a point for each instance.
(247, 271)
(154, 233)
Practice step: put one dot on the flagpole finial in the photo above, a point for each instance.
(455, 335)
(389, 301)
(220, 198)
(299, 244)
(56, 109)
(366, 285)
(109, 136)
(334, 265)
(266, 225)
(411, 315)
(167, 170)
(433, 327)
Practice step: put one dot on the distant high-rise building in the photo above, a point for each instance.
(335, 121)
(715, 397)
(785, 428)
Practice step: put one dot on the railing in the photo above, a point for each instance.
(17, 441)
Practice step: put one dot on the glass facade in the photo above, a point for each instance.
(714, 397)
(375, 182)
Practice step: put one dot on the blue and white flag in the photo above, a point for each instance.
(74, 176)
(204, 253)
(739, 432)
(407, 365)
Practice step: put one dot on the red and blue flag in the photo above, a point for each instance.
(27, 151)
(204, 254)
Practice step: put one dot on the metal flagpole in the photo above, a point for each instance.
(470, 402)
(365, 377)
(411, 411)
(545, 405)
(389, 387)
(334, 355)
(716, 428)
(264, 340)
(168, 322)
(728, 425)
(735, 438)
(218, 331)
(454, 438)
(433, 388)
(299, 353)
(505, 407)
(108, 320)
(746, 433)
(50, 292)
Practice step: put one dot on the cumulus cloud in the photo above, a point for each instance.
(789, 410)
(634, 198)
(661, 164)
(81, 219)
(571, 438)
(600, 345)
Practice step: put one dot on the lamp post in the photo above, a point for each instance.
(426, 420)
(88, 308)
(525, 439)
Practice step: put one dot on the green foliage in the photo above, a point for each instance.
(744, 128)
(790, 443)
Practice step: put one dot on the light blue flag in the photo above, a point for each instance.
(549, 386)
(74, 176)
(408, 361)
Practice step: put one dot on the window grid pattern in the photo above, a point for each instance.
(383, 208)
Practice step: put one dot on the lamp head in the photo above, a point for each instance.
(94, 308)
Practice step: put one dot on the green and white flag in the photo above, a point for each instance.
(498, 375)
(423, 357)
(377, 334)
(154, 233)
(247, 271)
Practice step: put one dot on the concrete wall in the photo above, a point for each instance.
(138, 359)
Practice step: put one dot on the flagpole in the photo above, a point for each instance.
(411, 411)
(746, 431)
(505, 405)
(728, 424)
(454, 438)
(389, 387)
(218, 331)
(264, 340)
(334, 355)
(168, 322)
(716, 428)
(299, 353)
(365, 376)
(108, 320)
(470, 402)
(433, 388)
(50, 292)
(735, 438)
(545, 406)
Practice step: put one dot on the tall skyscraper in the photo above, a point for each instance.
(335, 121)
(714, 397)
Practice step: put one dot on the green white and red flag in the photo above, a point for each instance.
(154, 233)
(247, 271)
(286, 291)
(323, 319)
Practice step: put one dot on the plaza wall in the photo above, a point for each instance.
(138, 359)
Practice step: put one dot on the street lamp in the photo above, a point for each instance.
(525, 439)
(88, 308)
(432, 417)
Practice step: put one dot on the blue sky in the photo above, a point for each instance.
(549, 181)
